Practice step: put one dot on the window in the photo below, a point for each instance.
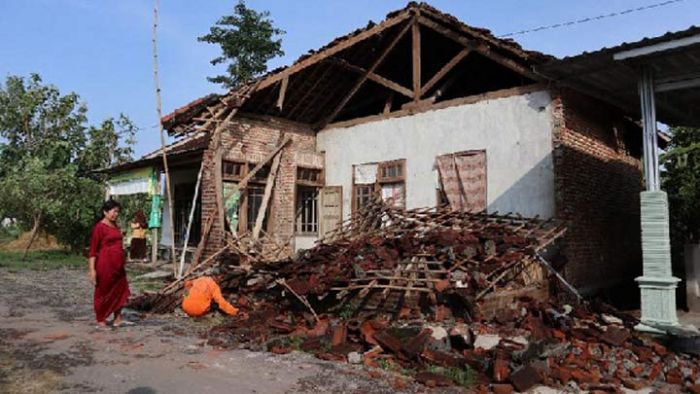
(254, 201)
(261, 175)
(463, 180)
(386, 179)
(393, 194)
(363, 196)
(231, 170)
(307, 210)
(309, 176)
(391, 171)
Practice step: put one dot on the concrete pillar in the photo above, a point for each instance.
(692, 276)
(657, 284)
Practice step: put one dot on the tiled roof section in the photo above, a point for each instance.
(646, 41)
(189, 110)
(199, 141)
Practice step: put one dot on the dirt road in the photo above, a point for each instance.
(48, 343)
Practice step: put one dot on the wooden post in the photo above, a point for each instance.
(162, 133)
(191, 219)
(266, 197)
(416, 59)
(218, 188)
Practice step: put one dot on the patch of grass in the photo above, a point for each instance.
(463, 377)
(42, 260)
(9, 233)
(295, 343)
(386, 364)
(144, 286)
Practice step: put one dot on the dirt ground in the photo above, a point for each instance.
(49, 343)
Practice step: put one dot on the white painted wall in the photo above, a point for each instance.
(516, 133)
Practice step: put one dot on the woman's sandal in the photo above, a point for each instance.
(124, 323)
(102, 327)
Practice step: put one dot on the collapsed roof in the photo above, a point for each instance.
(369, 71)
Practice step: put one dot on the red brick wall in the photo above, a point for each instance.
(251, 140)
(597, 183)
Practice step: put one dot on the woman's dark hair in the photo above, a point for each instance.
(140, 218)
(109, 205)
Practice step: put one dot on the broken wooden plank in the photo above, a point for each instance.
(202, 241)
(283, 92)
(266, 197)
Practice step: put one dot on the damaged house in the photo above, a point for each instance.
(421, 110)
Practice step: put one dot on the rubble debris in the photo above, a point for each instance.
(442, 294)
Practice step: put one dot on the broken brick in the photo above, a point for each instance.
(674, 376)
(634, 384)
(581, 376)
(695, 389)
(444, 359)
(433, 380)
(502, 388)
(525, 378)
(388, 341)
(615, 336)
(501, 370)
(340, 333)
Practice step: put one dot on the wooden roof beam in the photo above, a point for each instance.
(346, 43)
(444, 70)
(283, 92)
(364, 77)
(415, 59)
(374, 77)
(481, 48)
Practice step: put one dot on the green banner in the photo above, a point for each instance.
(232, 204)
(156, 213)
(131, 175)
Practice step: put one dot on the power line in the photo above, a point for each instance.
(592, 19)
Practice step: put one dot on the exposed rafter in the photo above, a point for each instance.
(313, 59)
(481, 48)
(374, 77)
(416, 59)
(283, 92)
(364, 77)
(444, 70)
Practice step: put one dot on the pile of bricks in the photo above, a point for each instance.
(405, 290)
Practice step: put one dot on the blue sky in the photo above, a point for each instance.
(102, 49)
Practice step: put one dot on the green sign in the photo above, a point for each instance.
(231, 204)
(156, 213)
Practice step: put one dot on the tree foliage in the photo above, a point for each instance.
(681, 180)
(248, 40)
(47, 157)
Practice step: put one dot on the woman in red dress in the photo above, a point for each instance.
(106, 262)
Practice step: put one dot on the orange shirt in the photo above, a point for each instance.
(201, 292)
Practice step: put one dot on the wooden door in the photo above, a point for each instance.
(331, 209)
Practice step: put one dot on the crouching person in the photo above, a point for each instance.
(198, 297)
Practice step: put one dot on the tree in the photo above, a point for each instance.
(248, 40)
(48, 155)
(681, 180)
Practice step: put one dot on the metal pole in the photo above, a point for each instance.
(648, 107)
